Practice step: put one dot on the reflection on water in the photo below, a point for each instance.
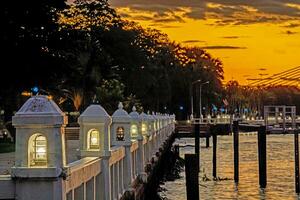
(280, 170)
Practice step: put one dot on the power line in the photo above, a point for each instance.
(274, 76)
(288, 77)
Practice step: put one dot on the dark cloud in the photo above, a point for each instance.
(262, 69)
(163, 25)
(193, 41)
(288, 32)
(158, 10)
(141, 17)
(160, 14)
(230, 37)
(125, 15)
(229, 12)
(165, 3)
(291, 25)
(167, 26)
(168, 19)
(196, 13)
(222, 47)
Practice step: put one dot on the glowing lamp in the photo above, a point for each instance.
(38, 151)
(120, 134)
(26, 94)
(133, 131)
(35, 90)
(41, 153)
(144, 128)
(94, 139)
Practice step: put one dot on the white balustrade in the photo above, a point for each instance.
(114, 152)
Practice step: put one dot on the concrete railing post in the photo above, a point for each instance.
(40, 158)
(136, 129)
(145, 133)
(121, 136)
(94, 141)
(150, 121)
(154, 134)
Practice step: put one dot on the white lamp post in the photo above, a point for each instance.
(200, 98)
(40, 149)
(200, 94)
(135, 126)
(121, 125)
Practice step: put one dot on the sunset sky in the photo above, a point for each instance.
(251, 37)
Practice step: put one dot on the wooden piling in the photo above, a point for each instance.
(197, 138)
(197, 142)
(215, 137)
(236, 150)
(191, 174)
(262, 156)
(296, 144)
(207, 140)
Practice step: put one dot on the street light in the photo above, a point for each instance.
(200, 100)
(197, 122)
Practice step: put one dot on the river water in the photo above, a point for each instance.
(280, 170)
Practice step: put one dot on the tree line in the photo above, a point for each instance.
(85, 53)
(251, 100)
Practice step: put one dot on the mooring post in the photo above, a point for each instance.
(215, 137)
(191, 174)
(236, 150)
(262, 156)
(207, 140)
(197, 141)
(296, 143)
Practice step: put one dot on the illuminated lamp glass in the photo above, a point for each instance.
(134, 131)
(144, 128)
(38, 151)
(94, 139)
(120, 134)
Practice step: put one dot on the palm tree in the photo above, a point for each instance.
(75, 95)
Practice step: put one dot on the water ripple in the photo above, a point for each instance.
(280, 173)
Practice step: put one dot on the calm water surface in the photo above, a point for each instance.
(280, 170)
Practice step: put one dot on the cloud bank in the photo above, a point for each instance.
(222, 47)
(229, 12)
(192, 41)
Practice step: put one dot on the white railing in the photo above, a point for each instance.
(107, 161)
(82, 179)
(7, 187)
(116, 163)
(85, 177)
